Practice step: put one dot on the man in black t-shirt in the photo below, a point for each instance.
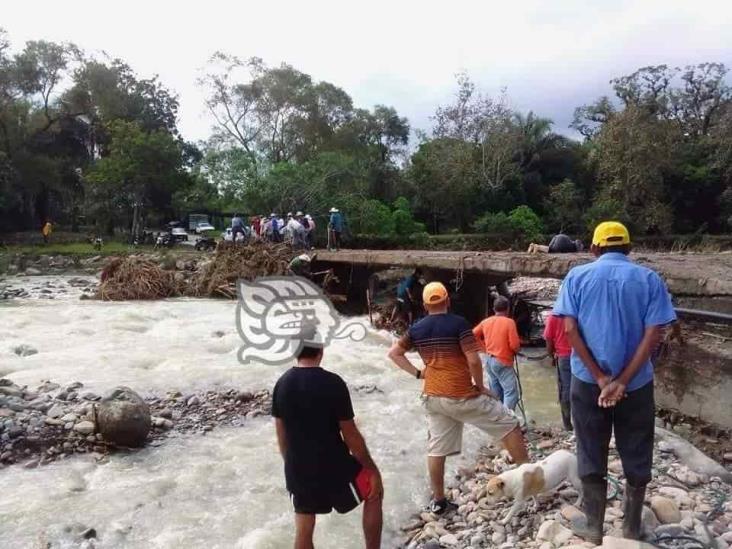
(327, 463)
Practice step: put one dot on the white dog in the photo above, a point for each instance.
(532, 479)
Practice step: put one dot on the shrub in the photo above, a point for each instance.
(375, 218)
(493, 223)
(526, 223)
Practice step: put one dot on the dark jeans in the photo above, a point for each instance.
(632, 419)
(564, 378)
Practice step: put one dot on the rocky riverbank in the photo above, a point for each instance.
(40, 425)
(684, 507)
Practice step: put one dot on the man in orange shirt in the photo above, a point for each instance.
(500, 340)
(453, 392)
(558, 346)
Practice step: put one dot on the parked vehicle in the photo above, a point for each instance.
(179, 234)
(205, 244)
(203, 227)
(164, 240)
(195, 219)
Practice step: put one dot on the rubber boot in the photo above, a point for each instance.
(633, 511)
(590, 527)
(566, 414)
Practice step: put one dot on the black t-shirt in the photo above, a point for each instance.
(562, 244)
(311, 402)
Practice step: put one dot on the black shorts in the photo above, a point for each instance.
(343, 498)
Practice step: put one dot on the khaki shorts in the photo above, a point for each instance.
(446, 416)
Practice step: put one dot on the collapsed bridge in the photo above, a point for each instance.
(694, 378)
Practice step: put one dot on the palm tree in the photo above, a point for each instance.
(536, 137)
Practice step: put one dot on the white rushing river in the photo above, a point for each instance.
(221, 490)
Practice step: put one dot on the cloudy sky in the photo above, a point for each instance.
(551, 55)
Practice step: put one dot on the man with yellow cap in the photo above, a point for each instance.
(614, 312)
(453, 392)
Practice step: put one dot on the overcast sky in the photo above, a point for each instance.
(551, 55)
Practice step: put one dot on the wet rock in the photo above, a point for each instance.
(162, 423)
(89, 533)
(649, 521)
(728, 456)
(570, 513)
(244, 396)
(166, 413)
(478, 540)
(449, 540)
(498, 537)
(679, 495)
(47, 386)
(56, 411)
(84, 427)
(123, 417)
(553, 531)
(666, 510)
(32, 271)
(669, 530)
(193, 401)
(90, 396)
(610, 542)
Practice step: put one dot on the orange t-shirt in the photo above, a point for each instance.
(443, 340)
(499, 337)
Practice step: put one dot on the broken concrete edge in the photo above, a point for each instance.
(506, 265)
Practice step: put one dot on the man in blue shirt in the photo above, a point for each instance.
(335, 228)
(614, 311)
(237, 226)
(404, 306)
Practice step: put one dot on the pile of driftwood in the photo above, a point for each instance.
(234, 261)
(136, 278)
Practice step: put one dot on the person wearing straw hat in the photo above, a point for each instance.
(614, 312)
(453, 392)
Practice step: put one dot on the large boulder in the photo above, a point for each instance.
(123, 417)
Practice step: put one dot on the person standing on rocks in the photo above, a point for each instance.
(327, 463)
(453, 392)
(499, 336)
(614, 312)
(558, 347)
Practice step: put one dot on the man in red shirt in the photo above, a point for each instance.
(558, 346)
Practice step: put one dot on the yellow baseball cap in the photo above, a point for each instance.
(434, 293)
(610, 233)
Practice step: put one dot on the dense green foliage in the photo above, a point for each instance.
(84, 140)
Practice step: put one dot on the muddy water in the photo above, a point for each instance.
(225, 489)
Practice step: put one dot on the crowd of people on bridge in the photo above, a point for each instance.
(606, 323)
(296, 229)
